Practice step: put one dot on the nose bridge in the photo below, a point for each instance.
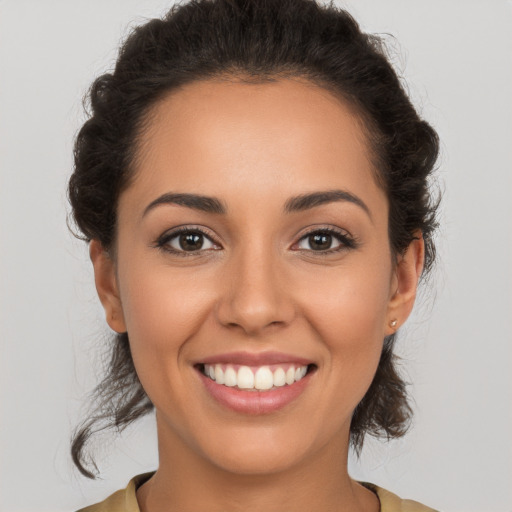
(255, 297)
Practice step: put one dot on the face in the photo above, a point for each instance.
(253, 272)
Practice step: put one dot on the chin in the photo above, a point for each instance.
(263, 449)
(256, 460)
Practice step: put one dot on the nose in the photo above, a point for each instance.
(255, 294)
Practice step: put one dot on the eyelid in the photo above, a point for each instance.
(162, 242)
(346, 240)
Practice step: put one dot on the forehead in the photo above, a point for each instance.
(215, 136)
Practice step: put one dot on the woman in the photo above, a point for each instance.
(253, 185)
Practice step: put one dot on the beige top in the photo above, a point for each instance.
(125, 500)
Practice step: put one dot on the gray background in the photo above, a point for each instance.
(457, 348)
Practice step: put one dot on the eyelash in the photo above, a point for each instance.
(163, 241)
(346, 241)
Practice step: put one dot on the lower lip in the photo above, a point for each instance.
(255, 402)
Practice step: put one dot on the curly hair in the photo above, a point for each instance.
(253, 40)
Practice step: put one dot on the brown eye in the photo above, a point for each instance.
(325, 241)
(320, 241)
(191, 241)
(186, 241)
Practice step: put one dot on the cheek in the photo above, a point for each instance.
(162, 309)
(163, 312)
(155, 296)
(349, 314)
(349, 303)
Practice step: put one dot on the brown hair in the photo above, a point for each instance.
(252, 40)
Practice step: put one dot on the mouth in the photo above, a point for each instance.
(255, 384)
(256, 378)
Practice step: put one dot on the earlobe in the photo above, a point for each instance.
(407, 275)
(106, 286)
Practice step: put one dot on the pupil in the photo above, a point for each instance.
(320, 241)
(191, 241)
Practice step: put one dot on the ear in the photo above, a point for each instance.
(405, 284)
(106, 286)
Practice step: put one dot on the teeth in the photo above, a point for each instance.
(279, 377)
(218, 375)
(229, 377)
(290, 375)
(261, 379)
(245, 378)
(300, 372)
(264, 378)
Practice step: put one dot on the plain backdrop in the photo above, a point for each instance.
(456, 56)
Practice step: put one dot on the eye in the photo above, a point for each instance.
(325, 240)
(186, 240)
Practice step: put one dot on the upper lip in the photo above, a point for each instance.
(255, 359)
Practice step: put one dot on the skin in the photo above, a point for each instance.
(257, 286)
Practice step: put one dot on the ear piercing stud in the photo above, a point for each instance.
(393, 323)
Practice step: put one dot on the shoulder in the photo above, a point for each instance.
(124, 500)
(390, 502)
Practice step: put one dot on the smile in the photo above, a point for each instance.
(262, 378)
(255, 384)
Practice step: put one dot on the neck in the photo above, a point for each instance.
(186, 482)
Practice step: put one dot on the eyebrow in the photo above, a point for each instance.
(294, 204)
(308, 201)
(194, 201)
